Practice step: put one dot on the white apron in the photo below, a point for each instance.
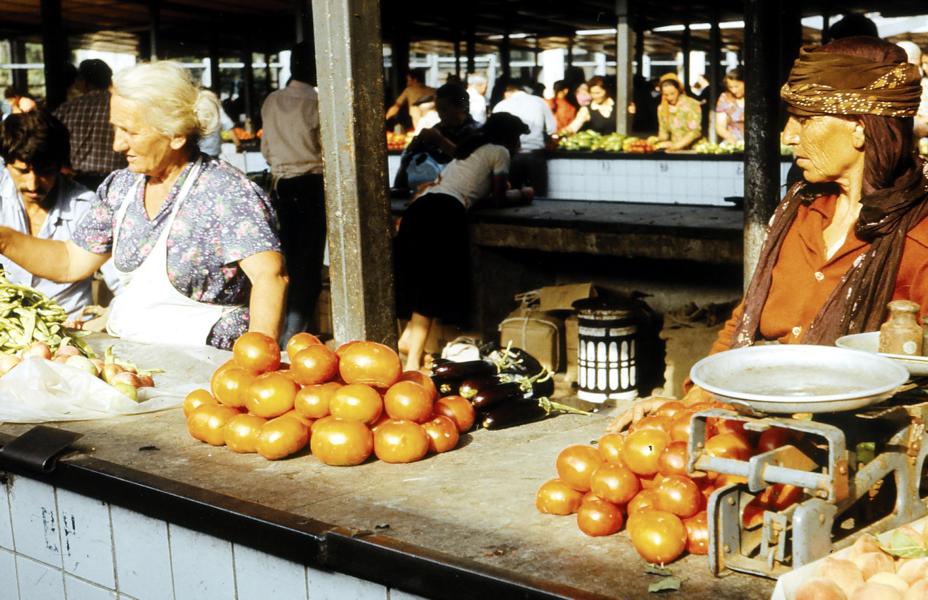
(150, 309)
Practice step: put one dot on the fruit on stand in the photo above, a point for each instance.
(658, 536)
(344, 404)
(399, 140)
(557, 498)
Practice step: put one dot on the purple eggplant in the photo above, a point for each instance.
(446, 371)
(512, 413)
(501, 393)
(472, 386)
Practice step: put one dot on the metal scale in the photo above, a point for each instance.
(861, 471)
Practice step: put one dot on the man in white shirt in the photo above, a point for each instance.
(36, 199)
(529, 167)
(291, 145)
(477, 91)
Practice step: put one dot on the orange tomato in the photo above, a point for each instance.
(459, 409)
(779, 496)
(282, 437)
(774, 438)
(673, 460)
(679, 495)
(671, 409)
(356, 402)
(407, 400)
(642, 450)
(423, 380)
(658, 536)
(300, 341)
(598, 517)
(206, 423)
(575, 465)
(658, 422)
(230, 385)
(610, 448)
(753, 514)
(697, 533)
(680, 426)
(295, 414)
(195, 399)
(256, 352)
(369, 363)
(728, 445)
(400, 442)
(241, 432)
(643, 500)
(313, 365)
(614, 483)
(339, 442)
(555, 497)
(312, 401)
(443, 434)
(271, 395)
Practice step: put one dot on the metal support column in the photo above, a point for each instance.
(457, 54)
(154, 24)
(715, 70)
(624, 47)
(570, 51)
(348, 55)
(639, 47)
(399, 45)
(826, 25)
(303, 18)
(54, 49)
(762, 140)
(471, 47)
(504, 57)
(214, 71)
(248, 82)
(685, 46)
(18, 56)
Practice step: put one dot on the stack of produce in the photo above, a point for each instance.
(640, 479)
(726, 147)
(345, 404)
(398, 141)
(637, 145)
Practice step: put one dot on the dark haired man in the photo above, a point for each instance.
(87, 118)
(36, 199)
(415, 91)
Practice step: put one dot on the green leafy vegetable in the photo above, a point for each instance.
(656, 570)
(667, 583)
(900, 544)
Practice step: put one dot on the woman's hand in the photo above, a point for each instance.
(663, 145)
(269, 281)
(652, 404)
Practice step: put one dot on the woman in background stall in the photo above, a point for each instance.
(679, 117)
(729, 109)
(599, 116)
(563, 105)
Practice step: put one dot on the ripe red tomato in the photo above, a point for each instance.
(206, 423)
(729, 426)
(643, 449)
(312, 401)
(643, 500)
(443, 434)
(407, 400)
(671, 409)
(576, 464)
(241, 433)
(339, 442)
(256, 352)
(659, 422)
(598, 517)
(314, 364)
(648, 483)
(728, 445)
(270, 395)
(369, 363)
(774, 438)
(610, 448)
(555, 497)
(196, 399)
(282, 437)
(356, 402)
(779, 496)
(400, 442)
(753, 514)
(673, 460)
(300, 341)
(230, 385)
(679, 495)
(697, 533)
(614, 483)
(459, 409)
(680, 426)
(423, 380)
(658, 536)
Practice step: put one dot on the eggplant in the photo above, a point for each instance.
(523, 363)
(472, 386)
(513, 413)
(502, 393)
(543, 387)
(463, 370)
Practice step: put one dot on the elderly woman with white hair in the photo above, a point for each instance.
(193, 240)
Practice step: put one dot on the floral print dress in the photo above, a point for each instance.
(225, 218)
(679, 120)
(728, 104)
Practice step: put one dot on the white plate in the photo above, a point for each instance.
(794, 378)
(870, 342)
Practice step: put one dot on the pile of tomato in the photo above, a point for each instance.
(345, 404)
(639, 480)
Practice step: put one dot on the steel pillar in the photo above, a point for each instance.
(54, 49)
(248, 82)
(154, 24)
(715, 70)
(624, 48)
(348, 55)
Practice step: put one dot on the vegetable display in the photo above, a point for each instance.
(344, 404)
(592, 141)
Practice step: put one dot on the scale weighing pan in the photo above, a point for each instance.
(799, 378)
(870, 342)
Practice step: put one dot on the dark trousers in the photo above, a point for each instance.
(300, 204)
(530, 168)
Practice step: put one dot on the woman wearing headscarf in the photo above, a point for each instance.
(853, 235)
(679, 116)
(193, 240)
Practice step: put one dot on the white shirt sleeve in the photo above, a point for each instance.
(550, 123)
(499, 160)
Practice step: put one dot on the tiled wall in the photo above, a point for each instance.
(660, 181)
(55, 544)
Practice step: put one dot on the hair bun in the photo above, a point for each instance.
(206, 108)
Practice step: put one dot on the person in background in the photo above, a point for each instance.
(477, 91)
(599, 116)
(18, 101)
(582, 94)
(429, 118)
(211, 145)
(852, 25)
(729, 109)
(435, 147)
(432, 250)
(292, 147)
(414, 91)
(37, 200)
(563, 105)
(914, 54)
(529, 166)
(87, 118)
(678, 116)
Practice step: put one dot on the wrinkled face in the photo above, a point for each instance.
(33, 184)
(735, 87)
(825, 147)
(598, 94)
(451, 112)
(670, 93)
(147, 150)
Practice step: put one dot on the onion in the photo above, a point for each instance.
(66, 350)
(98, 364)
(7, 362)
(128, 390)
(127, 378)
(110, 370)
(146, 381)
(39, 349)
(82, 363)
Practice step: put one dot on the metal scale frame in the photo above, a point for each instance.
(821, 521)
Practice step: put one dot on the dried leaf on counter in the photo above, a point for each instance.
(665, 584)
